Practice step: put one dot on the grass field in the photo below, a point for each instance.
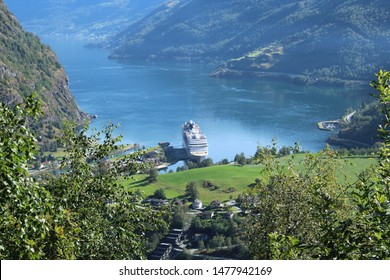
(231, 179)
(58, 155)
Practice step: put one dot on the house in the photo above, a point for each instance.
(162, 252)
(200, 236)
(229, 215)
(158, 202)
(207, 215)
(197, 204)
(216, 204)
(169, 247)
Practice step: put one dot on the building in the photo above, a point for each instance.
(197, 204)
(216, 204)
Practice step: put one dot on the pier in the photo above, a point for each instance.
(332, 125)
(328, 125)
(174, 154)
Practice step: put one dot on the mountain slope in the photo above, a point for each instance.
(85, 19)
(315, 40)
(362, 130)
(28, 66)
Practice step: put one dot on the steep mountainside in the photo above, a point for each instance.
(362, 130)
(85, 19)
(28, 66)
(308, 40)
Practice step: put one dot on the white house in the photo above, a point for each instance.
(197, 204)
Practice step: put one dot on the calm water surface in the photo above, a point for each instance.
(151, 100)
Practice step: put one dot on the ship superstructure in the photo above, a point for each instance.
(194, 141)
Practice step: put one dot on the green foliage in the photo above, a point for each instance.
(153, 174)
(159, 194)
(283, 202)
(365, 233)
(240, 159)
(217, 226)
(104, 219)
(193, 164)
(220, 233)
(191, 191)
(304, 213)
(25, 206)
(229, 177)
(362, 129)
(83, 213)
(179, 216)
(372, 197)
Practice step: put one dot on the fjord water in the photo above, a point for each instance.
(151, 100)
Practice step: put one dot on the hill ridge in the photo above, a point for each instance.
(323, 41)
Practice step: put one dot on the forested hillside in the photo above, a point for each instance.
(27, 66)
(83, 19)
(361, 131)
(311, 41)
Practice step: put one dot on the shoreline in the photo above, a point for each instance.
(328, 125)
(225, 73)
(346, 143)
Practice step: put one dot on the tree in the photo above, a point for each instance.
(285, 151)
(159, 194)
(324, 219)
(201, 245)
(80, 214)
(371, 196)
(179, 216)
(103, 220)
(285, 200)
(217, 241)
(224, 161)
(153, 174)
(297, 148)
(206, 162)
(191, 191)
(240, 159)
(365, 232)
(25, 206)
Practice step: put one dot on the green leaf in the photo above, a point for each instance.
(294, 241)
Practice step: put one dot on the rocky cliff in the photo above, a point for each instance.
(27, 66)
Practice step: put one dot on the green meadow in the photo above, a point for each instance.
(231, 180)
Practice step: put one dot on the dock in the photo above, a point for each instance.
(328, 125)
(332, 125)
(174, 154)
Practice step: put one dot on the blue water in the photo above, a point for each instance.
(151, 100)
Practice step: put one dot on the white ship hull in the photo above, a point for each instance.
(194, 141)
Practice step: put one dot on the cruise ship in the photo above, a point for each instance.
(194, 141)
